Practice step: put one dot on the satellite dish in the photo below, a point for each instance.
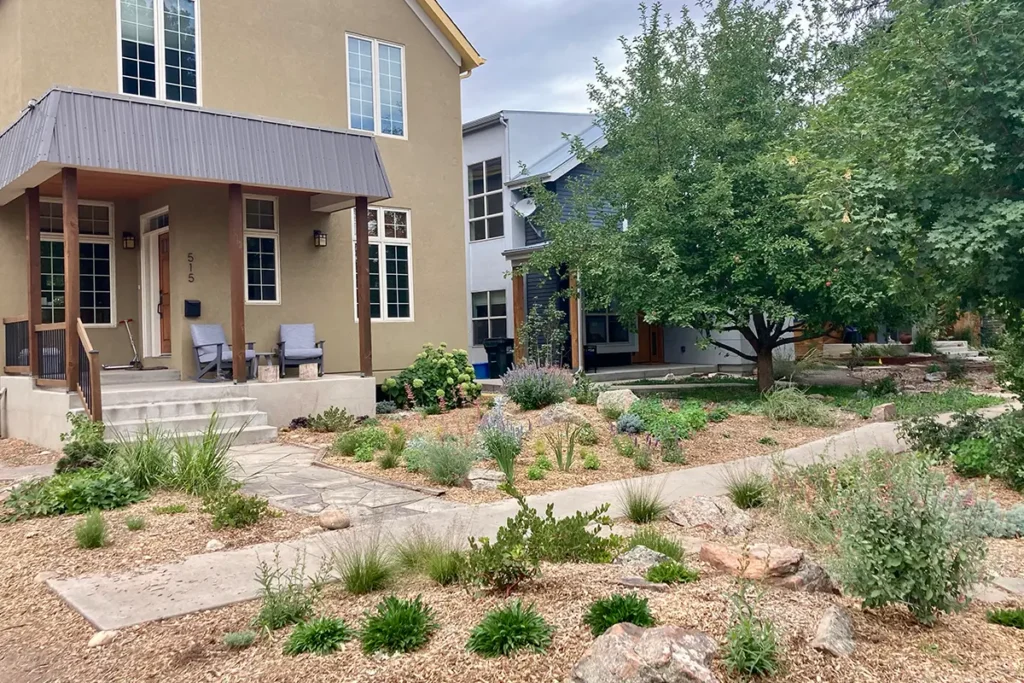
(525, 207)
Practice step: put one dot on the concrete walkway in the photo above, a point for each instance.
(26, 472)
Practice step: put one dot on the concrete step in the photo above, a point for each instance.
(951, 344)
(249, 435)
(121, 377)
(170, 392)
(195, 424)
(118, 413)
(958, 352)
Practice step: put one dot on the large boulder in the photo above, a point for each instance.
(809, 578)
(626, 653)
(834, 634)
(560, 413)
(886, 412)
(480, 479)
(617, 399)
(641, 558)
(758, 561)
(334, 518)
(717, 514)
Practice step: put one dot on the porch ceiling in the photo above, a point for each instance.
(159, 142)
(108, 186)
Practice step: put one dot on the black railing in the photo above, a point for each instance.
(84, 376)
(16, 346)
(51, 342)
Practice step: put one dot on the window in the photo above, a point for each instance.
(489, 316)
(486, 208)
(390, 264)
(376, 86)
(604, 327)
(160, 49)
(262, 267)
(95, 262)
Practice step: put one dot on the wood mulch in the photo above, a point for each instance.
(17, 453)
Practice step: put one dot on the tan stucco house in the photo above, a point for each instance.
(248, 163)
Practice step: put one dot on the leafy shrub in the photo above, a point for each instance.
(1007, 434)
(1012, 617)
(436, 376)
(386, 408)
(349, 442)
(587, 436)
(624, 446)
(397, 626)
(751, 643)
(1010, 360)
(544, 463)
(956, 368)
(508, 629)
(135, 523)
(641, 502)
(363, 454)
(239, 640)
(285, 598)
(923, 342)
(649, 537)
(973, 458)
(321, 636)
(532, 387)
(71, 493)
(995, 522)
(535, 473)
(583, 389)
(91, 532)
(590, 460)
(612, 413)
(364, 567)
(884, 386)
(629, 423)
(618, 609)
(747, 489)
(174, 509)
(145, 460)
(718, 414)
(792, 405)
(201, 464)
(672, 452)
(929, 435)
(234, 510)
(333, 419)
(83, 447)
(671, 572)
(563, 444)
(933, 367)
(665, 424)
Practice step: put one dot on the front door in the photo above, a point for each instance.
(163, 308)
(650, 343)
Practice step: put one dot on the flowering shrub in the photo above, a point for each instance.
(534, 386)
(437, 377)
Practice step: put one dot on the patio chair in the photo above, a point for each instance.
(213, 353)
(298, 346)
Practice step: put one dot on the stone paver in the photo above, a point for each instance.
(27, 472)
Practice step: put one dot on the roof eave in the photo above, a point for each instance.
(471, 59)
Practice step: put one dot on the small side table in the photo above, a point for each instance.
(271, 365)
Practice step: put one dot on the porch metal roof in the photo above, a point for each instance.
(105, 132)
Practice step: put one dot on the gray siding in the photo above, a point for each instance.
(563, 188)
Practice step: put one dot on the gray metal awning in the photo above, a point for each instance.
(120, 134)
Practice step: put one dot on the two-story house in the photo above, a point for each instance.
(247, 163)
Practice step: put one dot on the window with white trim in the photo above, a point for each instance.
(390, 264)
(490, 316)
(160, 49)
(262, 262)
(376, 86)
(604, 327)
(95, 262)
(486, 208)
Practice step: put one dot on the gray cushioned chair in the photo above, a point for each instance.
(298, 346)
(213, 353)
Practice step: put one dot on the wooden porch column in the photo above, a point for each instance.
(363, 285)
(236, 251)
(574, 321)
(518, 313)
(72, 284)
(35, 294)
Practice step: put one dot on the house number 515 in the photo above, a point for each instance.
(191, 271)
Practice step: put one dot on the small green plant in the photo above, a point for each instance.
(412, 551)
(363, 454)
(535, 473)
(446, 461)
(629, 423)
(503, 441)
(884, 386)
(285, 598)
(91, 532)
(747, 489)
(544, 463)
(364, 567)
(71, 493)
(234, 510)
(767, 441)
(617, 609)
(641, 502)
(239, 640)
(388, 460)
(649, 537)
(508, 629)
(135, 523)
(718, 414)
(174, 509)
(611, 413)
(397, 626)
(933, 368)
(1012, 617)
(583, 389)
(793, 405)
(386, 408)
(563, 444)
(671, 572)
(84, 446)
(332, 420)
(445, 568)
(532, 387)
(923, 342)
(956, 369)
(625, 446)
(752, 645)
(587, 436)
(590, 460)
(392, 454)
(672, 452)
(973, 458)
(349, 442)
(145, 460)
(201, 464)
(321, 636)
(643, 460)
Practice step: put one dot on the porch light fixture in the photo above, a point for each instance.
(128, 240)
(319, 239)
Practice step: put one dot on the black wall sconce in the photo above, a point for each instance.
(128, 240)
(319, 239)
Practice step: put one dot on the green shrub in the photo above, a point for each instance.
(239, 640)
(503, 441)
(649, 537)
(333, 419)
(671, 572)
(508, 629)
(437, 375)
(718, 414)
(392, 454)
(590, 460)
(611, 413)
(587, 436)
(386, 408)
(321, 636)
(625, 446)
(71, 493)
(665, 424)
(629, 423)
(175, 509)
(397, 626)
(923, 342)
(929, 435)
(672, 452)
(643, 459)
(973, 458)
(884, 386)
(446, 461)
(544, 463)
(793, 405)
(618, 609)
(201, 465)
(532, 387)
(641, 502)
(563, 445)
(747, 489)
(145, 460)
(933, 367)
(751, 643)
(768, 441)
(364, 567)
(91, 532)
(584, 390)
(956, 369)
(285, 598)
(535, 473)
(1007, 434)
(83, 447)
(233, 510)
(349, 442)
(1012, 617)
(1010, 360)
(388, 460)
(135, 523)
(363, 454)
(995, 522)
(445, 568)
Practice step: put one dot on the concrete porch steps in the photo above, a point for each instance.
(112, 378)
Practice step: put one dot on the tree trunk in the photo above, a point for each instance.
(765, 369)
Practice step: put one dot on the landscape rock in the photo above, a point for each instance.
(43, 577)
(834, 634)
(626, 653)
(101, 638)
(885, 412)
(818, 397)
(757, 561)
(990, 595)
(334, 518)
(213, 545)
(561, 413)
(617, 399)
(809, 578)
(710, 514)
(480, 479)
(641, 584)
(31, 534)
(934, 376)
(641, 558)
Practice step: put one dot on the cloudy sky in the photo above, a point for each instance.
(540, 53)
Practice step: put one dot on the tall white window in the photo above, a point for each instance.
(95, 262)
(160, 49)
(376, 86)
(486, 209)
(390, 264)
(262, 256)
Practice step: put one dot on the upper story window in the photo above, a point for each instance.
(486, 208)
(376, 86)
(160, 49)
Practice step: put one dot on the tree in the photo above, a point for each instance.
(696, 220)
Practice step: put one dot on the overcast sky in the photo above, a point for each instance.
(540, 53)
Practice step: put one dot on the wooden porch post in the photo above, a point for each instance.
(574, 321)
(72, 296)
(363, 285)
(35, 295)
(236, 250)
(518, 313)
